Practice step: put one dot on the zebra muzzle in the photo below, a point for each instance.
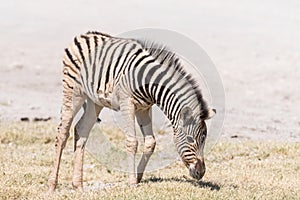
(197, 170)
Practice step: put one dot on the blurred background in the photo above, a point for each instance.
(255, 46)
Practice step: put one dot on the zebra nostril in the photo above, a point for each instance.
(199, 176)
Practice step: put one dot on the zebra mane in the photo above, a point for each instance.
(97, 33)
(165, 56)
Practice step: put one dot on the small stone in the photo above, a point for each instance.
(24, 119)
(38, 119)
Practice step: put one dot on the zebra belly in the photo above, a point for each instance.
(112, 101)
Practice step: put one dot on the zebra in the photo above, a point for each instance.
(130, 76)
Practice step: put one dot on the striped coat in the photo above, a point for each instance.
(130, 75)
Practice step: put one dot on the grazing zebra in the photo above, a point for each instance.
(131, 76)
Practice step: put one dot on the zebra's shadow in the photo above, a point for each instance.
(202, 184)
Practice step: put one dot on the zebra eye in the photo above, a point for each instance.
(190, 139)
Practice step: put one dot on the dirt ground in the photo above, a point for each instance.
(234, 170)
(255, 46)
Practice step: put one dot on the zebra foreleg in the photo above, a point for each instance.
(128, 112)
(145, 123)
(82, 130)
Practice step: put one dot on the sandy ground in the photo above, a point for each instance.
(255, 46)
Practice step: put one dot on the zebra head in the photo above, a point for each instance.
(190, 140)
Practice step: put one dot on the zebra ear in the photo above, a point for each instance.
(186, 114)
(211, 113)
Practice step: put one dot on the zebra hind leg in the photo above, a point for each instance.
(81, 131)
(71, 105)
(145, 123)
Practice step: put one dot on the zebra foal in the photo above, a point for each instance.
(130, 76)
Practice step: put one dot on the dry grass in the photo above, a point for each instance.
(235, 170)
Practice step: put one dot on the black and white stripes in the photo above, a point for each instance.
(101, 66)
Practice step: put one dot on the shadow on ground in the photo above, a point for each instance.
(202, 184)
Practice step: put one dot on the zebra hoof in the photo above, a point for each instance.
(78, 187)
(52, 186)
(133, 181)
(50, 191)
(139, 177)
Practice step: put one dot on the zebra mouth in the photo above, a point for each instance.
(197, 170)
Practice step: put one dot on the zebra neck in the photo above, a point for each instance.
(171, 98)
